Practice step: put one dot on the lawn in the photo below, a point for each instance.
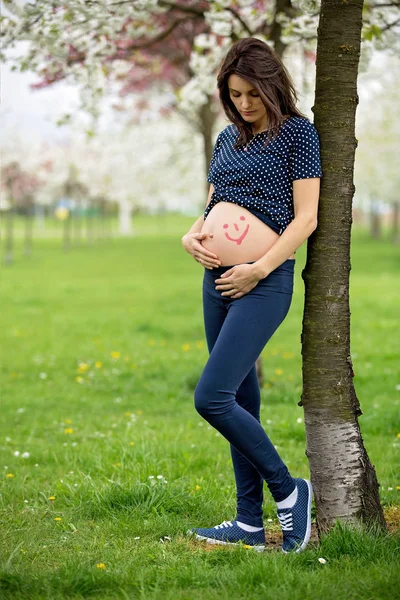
(105, 462)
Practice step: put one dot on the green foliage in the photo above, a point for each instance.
(371, 32)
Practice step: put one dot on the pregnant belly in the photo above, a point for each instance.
(238, 235)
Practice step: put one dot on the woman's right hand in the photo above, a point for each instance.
(192, 244)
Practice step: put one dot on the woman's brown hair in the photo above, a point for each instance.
(253, 60)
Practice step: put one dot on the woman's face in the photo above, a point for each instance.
(246, 99)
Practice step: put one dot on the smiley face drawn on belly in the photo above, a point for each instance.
(240, 239)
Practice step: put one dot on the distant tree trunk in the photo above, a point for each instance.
(281, 6)
(125, 218)
(376, 229)
(28, 230)
(78, 220)
(67, 232)
(40, 218)
(8, 257)
(344, 480)
(207, 119)
(395, 233)
(101, 233)
(89, 223)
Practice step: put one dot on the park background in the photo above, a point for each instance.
(106, 464)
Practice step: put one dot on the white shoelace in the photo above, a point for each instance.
(224, 524)
(286, 521)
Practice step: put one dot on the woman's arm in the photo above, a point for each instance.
(197, 225)
(305, 200)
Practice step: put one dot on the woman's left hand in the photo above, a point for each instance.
(237, 281)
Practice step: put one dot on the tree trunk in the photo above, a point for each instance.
(375, 220)
(8, 258)
(67, 232)
(77, 220)
(89, 217)
(207, 119)
(275, 35)
(28, 230)
(40, 219)
(125, 218)
(343, 478)
(395, 232)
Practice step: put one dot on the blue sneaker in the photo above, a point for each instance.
(296, 521)
(229, 532)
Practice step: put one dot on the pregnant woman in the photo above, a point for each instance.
(262, 205)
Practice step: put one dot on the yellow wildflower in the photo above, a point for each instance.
(68, 430)
(131, 443)
(9, 475)
(186, 347)
(397, 487)
(67, 421)
(278, 371)
(79, 379)
(199, 344)
(398, 435)
(82, 367)
(267, 385)
(127, 414)
(52, 498)
(98, 364)
(57, 519)
(115, 355)
(101, 566)
(197, 488)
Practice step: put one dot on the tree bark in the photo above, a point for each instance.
(343, 478)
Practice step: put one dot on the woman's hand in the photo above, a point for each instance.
(192, 244)
(237, 281)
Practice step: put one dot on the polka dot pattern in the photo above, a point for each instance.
(261, 178)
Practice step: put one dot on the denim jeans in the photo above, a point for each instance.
(227, 394)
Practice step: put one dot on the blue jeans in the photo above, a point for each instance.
(227, 394)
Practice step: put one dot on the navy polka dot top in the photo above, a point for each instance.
(260, 179)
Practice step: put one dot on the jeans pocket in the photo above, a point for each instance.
(278, 281)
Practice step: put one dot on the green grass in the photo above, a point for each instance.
(94, 442)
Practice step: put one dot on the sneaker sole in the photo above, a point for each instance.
(308, 529)
(221, 543)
